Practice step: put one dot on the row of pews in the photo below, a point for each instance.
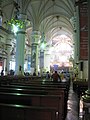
(80, 86)
(32, 98)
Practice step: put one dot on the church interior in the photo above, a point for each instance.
(38, 38)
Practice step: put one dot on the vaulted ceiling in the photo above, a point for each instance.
(51, 17)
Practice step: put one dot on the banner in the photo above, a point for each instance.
(83, 19)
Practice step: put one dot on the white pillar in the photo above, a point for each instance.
(8, 53)
(28, 62)
(20, 46)
(34, 51)
(41, 58)
(75, 47)
(74, 22)
(8, 60)
(47, 61)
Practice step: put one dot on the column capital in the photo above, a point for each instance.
(73, 22)
(35, 33)
(22, 16)
(35, 37)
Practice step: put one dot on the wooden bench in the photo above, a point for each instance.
(22, 112)
(34, 100)
(29, 80)
(36, 89)
(80, 87)
(39, 86)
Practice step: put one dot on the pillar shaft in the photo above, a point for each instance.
(41, 61)
(75, 47)
(8, 53)
(34, 56)
(8, 60)
(20, 45)
(20, 48)
(34, 51)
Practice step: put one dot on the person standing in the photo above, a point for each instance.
(56, 77)
(2, 73)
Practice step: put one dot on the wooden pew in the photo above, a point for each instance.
(34, 100)
(55, 85)
(8, 79)
(80, 87)
(26, 80)
(23, 90)
(39, 86)
(46, 86)
(22, 112)
(44, 90)
(48, 91)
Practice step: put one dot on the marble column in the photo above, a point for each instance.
(74, 22)
(75, 46)
(20, 48)
(41, 61)
(42, 52)
(7, 69)
(47, 60)
(28, 62)
(34, 51)
(8, 60)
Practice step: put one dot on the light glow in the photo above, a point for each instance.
(62, 51)
(43, 45)
(14, 28)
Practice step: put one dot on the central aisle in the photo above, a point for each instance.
(72, 105)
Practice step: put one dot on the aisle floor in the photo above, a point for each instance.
(72, 105)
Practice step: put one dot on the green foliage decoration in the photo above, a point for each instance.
(16, 22)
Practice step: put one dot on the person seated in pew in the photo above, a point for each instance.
(56, 77)
(64, 79)
(34, 74)
(47, 75)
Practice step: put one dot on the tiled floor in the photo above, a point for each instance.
(72, 105)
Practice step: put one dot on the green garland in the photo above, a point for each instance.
(16, 22)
